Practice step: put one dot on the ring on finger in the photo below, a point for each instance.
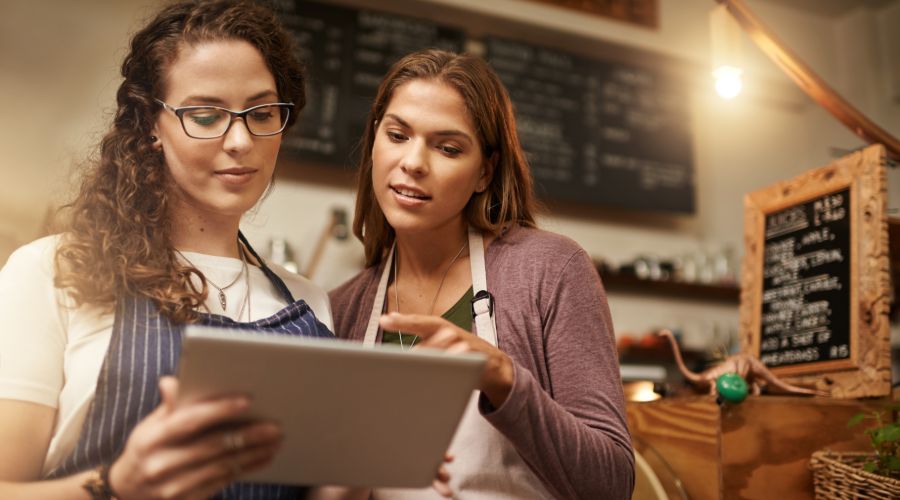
(233, 441)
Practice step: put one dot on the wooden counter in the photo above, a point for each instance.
(757, 449)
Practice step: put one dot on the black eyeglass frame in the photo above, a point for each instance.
(179, 112)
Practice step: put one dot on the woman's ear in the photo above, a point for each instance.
(155, 141)
(487, 172)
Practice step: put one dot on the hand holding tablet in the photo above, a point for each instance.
(351, 415)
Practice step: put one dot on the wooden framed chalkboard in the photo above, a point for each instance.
(815, 287)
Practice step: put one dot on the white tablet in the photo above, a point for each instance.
(351, 415)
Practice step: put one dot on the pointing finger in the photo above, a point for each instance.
(420, 324)
(443, 338)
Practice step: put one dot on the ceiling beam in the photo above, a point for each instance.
(808, 81)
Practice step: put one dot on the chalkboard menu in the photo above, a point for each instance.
(347, 52)
(599, 132)
(806, 282)
(596, 131)
(815, 287)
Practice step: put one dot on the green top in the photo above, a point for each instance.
(460, 314)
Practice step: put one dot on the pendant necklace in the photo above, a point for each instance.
(433, 301)
(221, 289)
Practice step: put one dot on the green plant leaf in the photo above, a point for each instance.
(893, 462)
(856, 419)
(878, 436)
(892, 432)
(869, 467)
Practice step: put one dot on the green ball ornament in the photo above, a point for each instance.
(731, 387)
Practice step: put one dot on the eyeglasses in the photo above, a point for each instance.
(212, 122)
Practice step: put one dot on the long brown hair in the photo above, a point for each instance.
(509, 198)
(117, 238)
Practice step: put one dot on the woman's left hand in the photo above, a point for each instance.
(438, 333)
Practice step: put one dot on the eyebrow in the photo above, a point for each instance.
(216, 101)
(449, 132)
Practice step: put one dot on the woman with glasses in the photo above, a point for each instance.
(445, 210)
(92, 317)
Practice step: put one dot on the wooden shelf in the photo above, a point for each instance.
(615, 282)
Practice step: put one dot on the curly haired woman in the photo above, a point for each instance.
(92, 317)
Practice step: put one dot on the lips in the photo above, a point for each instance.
(410, 192)
(236, 175)
(236, 171)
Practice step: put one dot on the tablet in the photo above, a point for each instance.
(351, 415)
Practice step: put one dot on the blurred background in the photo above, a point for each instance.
(59, 71)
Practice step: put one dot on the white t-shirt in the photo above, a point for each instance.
(51, 352)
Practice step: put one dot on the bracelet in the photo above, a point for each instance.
(98, 486)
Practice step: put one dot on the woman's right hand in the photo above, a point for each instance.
(191, 451)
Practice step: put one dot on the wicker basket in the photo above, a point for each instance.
(841, 476)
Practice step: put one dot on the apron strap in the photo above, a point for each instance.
(378, 304)
(482, 301)
(279, 284)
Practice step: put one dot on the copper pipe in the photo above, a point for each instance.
(814, 86)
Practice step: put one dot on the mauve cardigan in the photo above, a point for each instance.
(566, 412)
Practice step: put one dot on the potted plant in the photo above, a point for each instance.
(871, 474)
(885, 439)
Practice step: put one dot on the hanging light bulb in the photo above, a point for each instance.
(728, 81)
(725, 41)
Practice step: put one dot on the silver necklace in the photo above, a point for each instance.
(221, 289)
(436, 293)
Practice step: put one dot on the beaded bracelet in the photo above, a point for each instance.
(98, 486)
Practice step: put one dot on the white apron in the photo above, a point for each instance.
(486, 465)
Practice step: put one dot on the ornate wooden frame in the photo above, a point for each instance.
(868, 370)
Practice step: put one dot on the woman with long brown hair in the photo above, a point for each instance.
(92, 317)
(446, 212)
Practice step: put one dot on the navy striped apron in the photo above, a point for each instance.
(146, 345)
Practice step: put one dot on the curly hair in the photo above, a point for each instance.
(509, 198)
(117, 239)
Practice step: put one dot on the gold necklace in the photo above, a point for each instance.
(438, 292)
